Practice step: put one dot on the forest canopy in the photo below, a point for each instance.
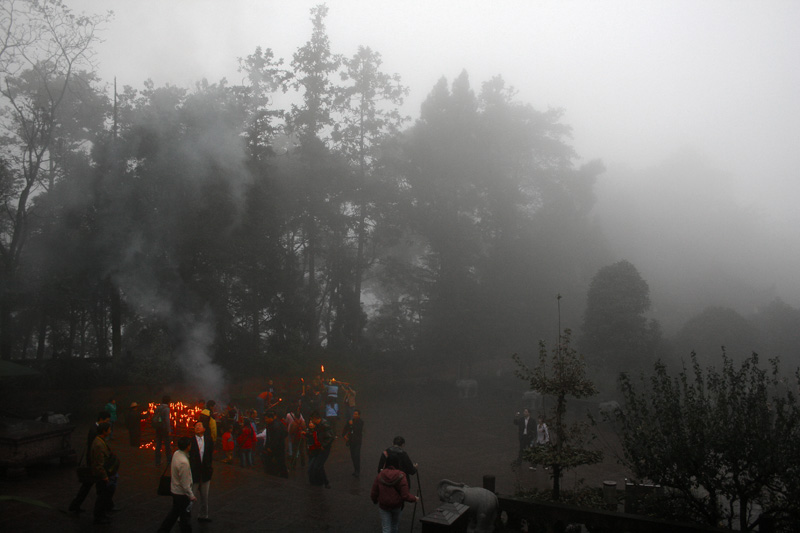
(258, 225)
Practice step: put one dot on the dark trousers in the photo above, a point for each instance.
(180, 512)
(275, 462)
(316, 468)
(524, 442)
(105, 494)
(355, 456)
(83, 492)
(162, 439)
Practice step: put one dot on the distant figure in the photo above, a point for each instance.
(111, 407)
(246, 441)
(86, 486)
(389, 491)
(403, 460)
(228, 442)
(181, 488)
(133, 421)
(349, 401)
(275, 446)
(542, 435)
(163, 426)
(332, 413)
(208, 420)
(296, 427)
(320, 440)
(353, 435)
(525, 433)
(265, 398)
(105, 466)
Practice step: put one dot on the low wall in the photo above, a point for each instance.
(551, 517)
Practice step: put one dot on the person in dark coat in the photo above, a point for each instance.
(104, 468)
(86, 486)
(201, 453)
(133, 421)
(403, 460)
(275, 446)
(353, 435)
(526, 431)
(162, 424)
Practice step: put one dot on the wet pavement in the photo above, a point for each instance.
(461, 440)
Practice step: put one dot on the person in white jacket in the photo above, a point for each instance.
(542, 435)
(181, 488)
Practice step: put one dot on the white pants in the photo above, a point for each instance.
(201, 493)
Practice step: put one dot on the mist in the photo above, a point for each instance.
(663, 134)
(695, 241)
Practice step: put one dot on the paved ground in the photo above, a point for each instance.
(462, 440)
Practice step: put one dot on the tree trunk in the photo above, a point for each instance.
(556, 482)
(312, 324)
(73, 327)
(42, 335)
(116, 323)
(5, 328)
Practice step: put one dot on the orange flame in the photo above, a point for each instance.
(183, 417)
(323, 368)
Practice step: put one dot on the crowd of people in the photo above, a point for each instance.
(280, 434)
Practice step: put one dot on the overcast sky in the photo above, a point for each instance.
(638, 80)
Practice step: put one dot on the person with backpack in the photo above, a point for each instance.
(389, 491)
(162, 425)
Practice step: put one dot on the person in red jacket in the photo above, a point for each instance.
(246, 440)
(228, 444)
(389, 491)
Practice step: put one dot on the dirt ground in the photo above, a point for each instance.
(451, 438)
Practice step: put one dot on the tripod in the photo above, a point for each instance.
(419, 498)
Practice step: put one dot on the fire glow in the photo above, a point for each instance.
(182, 416)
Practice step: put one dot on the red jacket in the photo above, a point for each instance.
(227, 442)
(390, 489)
(246, 438)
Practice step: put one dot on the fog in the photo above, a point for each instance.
(642, 84)
(691, 107)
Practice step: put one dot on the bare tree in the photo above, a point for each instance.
(44, 46)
